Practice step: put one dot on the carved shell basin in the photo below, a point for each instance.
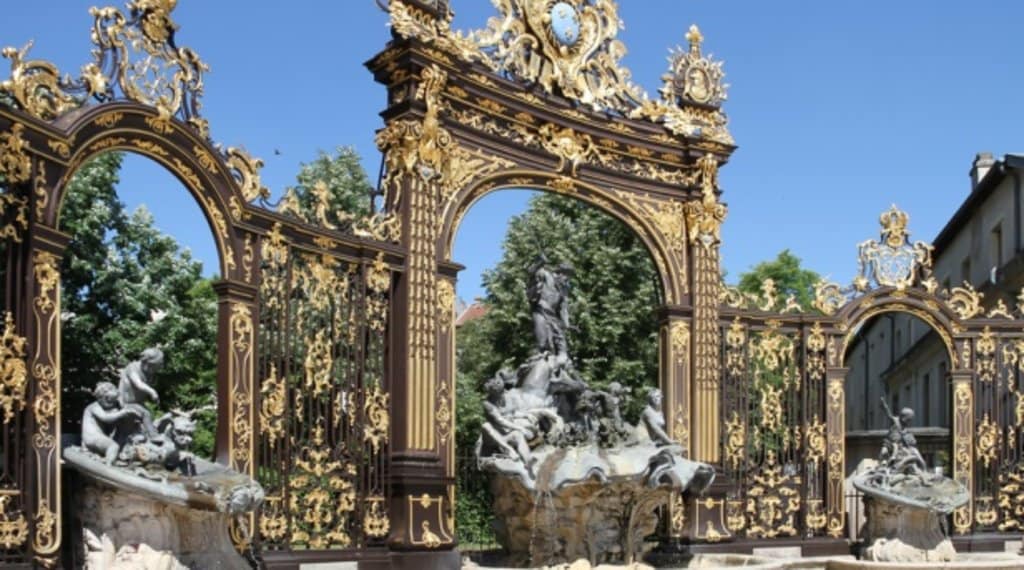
(943, 495)
(213, 488)
(646, 464)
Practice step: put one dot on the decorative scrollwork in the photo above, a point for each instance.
(15, 163)
(693, 78)
(378, 418)
(446, 302)
(985, 356)
(35, 85)
(735, 440)
(965, 301)
(570, 147)
(704, 218)
(814, 433)
(273, 402)
(135, 53)
(375, 521)
(322, 496)
(13, 370)
(987, 441)
(1010, 498)
(773, 501)
(246, 171)
(679, 337)
(828, 297)
(570, 48)
(893, 262)
(13, 525)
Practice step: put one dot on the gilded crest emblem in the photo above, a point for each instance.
(893, 261)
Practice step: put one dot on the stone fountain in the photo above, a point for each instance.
(146, 502)
(906, 503)
(570, 478)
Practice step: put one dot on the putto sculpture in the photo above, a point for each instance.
(906, 502)
(135, 467)
(560, 452)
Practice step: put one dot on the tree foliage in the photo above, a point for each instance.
(127, 286)
(348, 188)
(789, 276)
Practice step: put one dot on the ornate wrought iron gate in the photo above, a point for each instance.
(328, 324)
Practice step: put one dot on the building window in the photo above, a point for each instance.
(965, 270)
(997, 246)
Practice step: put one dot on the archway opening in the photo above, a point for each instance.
(138, 274)
(613, 330)
(895, 360)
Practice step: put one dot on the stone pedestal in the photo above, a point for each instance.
(595, 521)
(123, 530)
(901, 533)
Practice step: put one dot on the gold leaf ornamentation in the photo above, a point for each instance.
(570, 147)
(246, 171)
(987, 438)
(965, 302)
(13, 525)
(893, 261)
(375, 521)
(13, 371)
(773, 501)
(378, 419)
(15, 164)
(273, 403)
(704, 218)
(679, 336)
(35, 85)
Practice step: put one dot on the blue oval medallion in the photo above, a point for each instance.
(565, 23)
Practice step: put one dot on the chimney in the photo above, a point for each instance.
(983, 162)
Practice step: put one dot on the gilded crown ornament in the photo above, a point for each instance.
(894, 261)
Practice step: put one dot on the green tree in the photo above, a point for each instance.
(348, 188)
(789, 276)
(127, 286)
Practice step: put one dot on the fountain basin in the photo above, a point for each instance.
(587, 502)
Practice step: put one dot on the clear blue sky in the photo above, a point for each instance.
(839, 108)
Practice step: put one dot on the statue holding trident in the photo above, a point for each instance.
(549, 304)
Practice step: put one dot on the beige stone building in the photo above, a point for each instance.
(899, 357)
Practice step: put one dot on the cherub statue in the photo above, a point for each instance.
(899, 450)
(135, 390)
(100, 419)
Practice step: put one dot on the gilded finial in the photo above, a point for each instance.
(695, 38)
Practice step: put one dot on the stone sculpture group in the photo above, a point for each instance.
(571, 478)
(146, 501)
(906, 502)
